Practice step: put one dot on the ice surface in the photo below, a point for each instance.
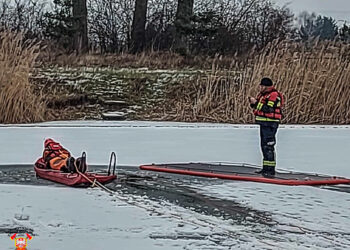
(198, 214)
(321, 149)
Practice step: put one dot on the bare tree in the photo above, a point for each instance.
(183, 25)
(187, 26)
(160, 28)
(23, 15)
(138, 26)
(80, 26)
(110, 24)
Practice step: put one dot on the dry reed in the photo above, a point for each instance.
(149, 59)
(18, 102)
(315, 83)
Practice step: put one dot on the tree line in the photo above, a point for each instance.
(184, 26)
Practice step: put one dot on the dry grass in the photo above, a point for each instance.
(18, 102)
(151, 60)
(315, 83)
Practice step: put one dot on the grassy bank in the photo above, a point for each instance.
(164, 86)
(88, 92)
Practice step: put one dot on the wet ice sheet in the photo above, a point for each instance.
(247, 216)
(83, 219)
(311, 217)
(90, 219)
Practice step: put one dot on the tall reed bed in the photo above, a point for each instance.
(18, 102)
(315, 82)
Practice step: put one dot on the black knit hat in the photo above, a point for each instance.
(266, 82)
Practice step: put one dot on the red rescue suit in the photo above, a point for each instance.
(55, 156)
(268, 106)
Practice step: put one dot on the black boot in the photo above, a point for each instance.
(64, 169)
(81, 164)
(71, 165)
(270, 172)
(263, 170)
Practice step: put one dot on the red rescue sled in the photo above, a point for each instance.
(75, 179)
(244, 172)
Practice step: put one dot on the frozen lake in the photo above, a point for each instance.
(155, 212)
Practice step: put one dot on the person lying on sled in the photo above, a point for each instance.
(58, 158)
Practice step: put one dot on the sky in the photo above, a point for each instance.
(338, 9)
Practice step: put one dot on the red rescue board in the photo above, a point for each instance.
(244, 172)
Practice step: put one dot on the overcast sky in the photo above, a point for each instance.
(338, 9)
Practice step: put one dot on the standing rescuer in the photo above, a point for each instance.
(268, 114)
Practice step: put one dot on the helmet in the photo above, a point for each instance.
(48, 141)
(266, 82)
